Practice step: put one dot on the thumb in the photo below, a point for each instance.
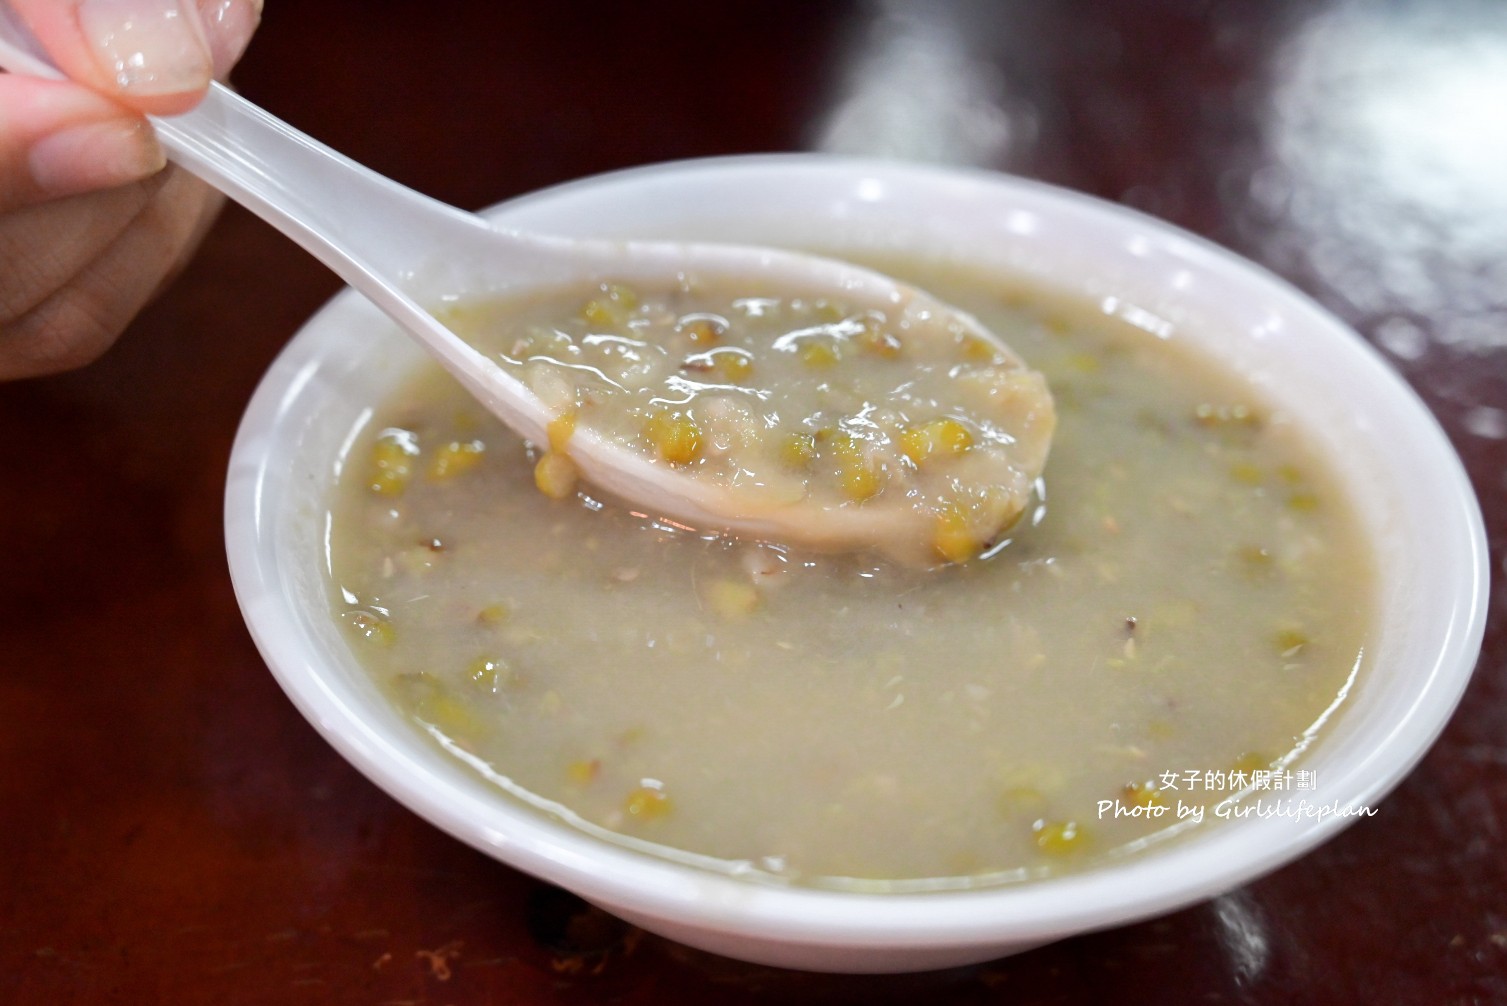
(152, 55)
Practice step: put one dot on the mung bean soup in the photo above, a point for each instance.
(1184, 593)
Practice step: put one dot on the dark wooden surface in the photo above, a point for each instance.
(172, 831)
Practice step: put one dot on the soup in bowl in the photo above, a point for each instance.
(1234, 611)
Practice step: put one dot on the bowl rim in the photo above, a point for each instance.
(619, 877)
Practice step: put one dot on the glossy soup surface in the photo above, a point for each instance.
(1182, 603)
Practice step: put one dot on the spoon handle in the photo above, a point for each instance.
(370, 231)
(345, 214)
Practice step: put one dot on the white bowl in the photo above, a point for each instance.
(1410, 488)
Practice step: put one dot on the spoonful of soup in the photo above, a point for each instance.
(749, 390)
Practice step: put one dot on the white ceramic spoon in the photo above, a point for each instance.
(389, 242)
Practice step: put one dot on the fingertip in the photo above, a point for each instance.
(151, 55)
(154, 52)
(229, 25)
(58, 138)
(91, 155)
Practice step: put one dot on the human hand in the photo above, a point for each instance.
(91, 223)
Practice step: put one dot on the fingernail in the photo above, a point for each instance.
(229, 25)
(94, 155)
(148, 47)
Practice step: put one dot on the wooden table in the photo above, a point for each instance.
(171, 830)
